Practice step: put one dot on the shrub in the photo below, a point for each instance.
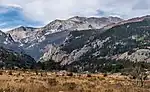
(1, 72)
(70, 85)
(52, 81)
(88, 75)
(10, 73)
(70, 74)
(36, 72)
(109, 90)
(105, 75)
(18, 74)
(101, 79)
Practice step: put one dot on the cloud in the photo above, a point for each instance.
(48, 10)
(142, 5)
(11, 17)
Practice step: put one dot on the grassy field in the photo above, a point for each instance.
(25, 81)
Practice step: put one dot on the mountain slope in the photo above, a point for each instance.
(127, 40)
(11, 55)
(36, 42)
(7, 42)
(10, 59)
(20, 32)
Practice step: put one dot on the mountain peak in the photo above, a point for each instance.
(21, 26)
(77, 18)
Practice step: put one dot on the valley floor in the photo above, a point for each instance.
(25, 81)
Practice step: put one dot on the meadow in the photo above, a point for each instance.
(41, 81)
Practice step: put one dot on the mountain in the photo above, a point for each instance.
(80, 23)
(10, 60)
(37, 41)
(7, 42)
(87, 49)
(20, 32)
(11, 55)
(84, 44)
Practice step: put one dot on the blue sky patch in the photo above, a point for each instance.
(12, 17)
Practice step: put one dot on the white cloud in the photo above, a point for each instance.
(47, 10)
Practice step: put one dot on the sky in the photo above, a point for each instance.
(36, 13)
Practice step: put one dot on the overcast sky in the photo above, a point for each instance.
(14, 13)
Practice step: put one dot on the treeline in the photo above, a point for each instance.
(95, 66)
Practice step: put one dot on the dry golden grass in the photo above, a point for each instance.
(24, 81)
